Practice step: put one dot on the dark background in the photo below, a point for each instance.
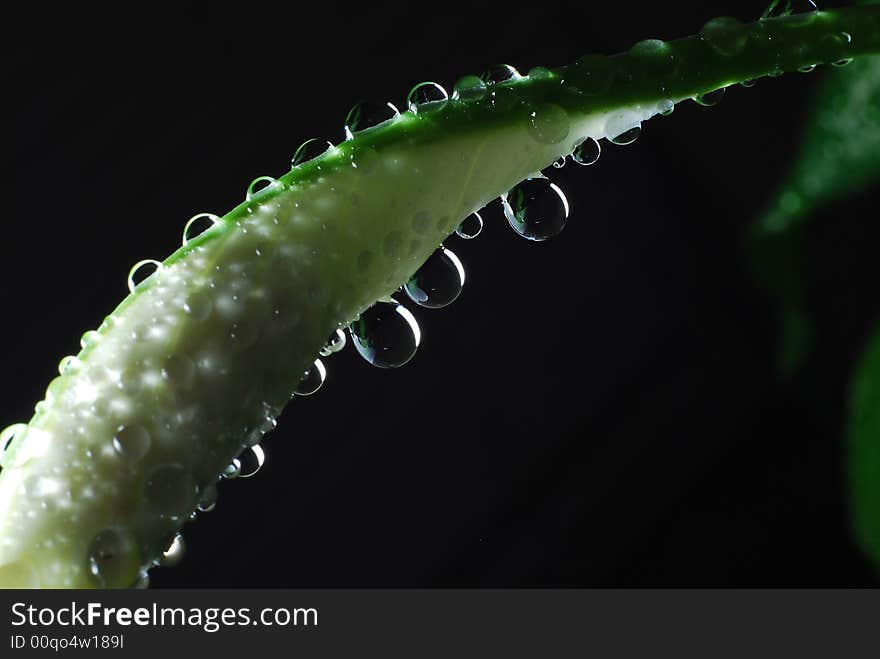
(598, 410)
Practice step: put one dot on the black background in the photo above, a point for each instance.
(600, 409)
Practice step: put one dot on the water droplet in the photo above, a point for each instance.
(141, 271)
(9, 435)
(809, 68)
(711, 98)
(334, 344)
(438, 282)
(309, 150)
(131, 442)
(469, 88)
(198, 224)
(667, 107)
(113, 558)
(548, 124)
(727, 36)
(68, 365)
(208, 500)
(142, 582)
(426, 97)
(536, 209)
(367, 114)
(198, 305)
(171, 490)
(386, 335)
(587, 152)
(539, 73)
(627, 137)
(89, 339)
(251, 461)
(174, 554)
(778, 8)
(843, 62)
(654, 56)
(748, 83)
(259, 185)
(559, 163)
(470, 227)
(232, 470)
(500, 73)
(312, 379)
(179, 370)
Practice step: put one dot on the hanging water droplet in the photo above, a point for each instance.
(779, 8)
(251, 461)
(386, 335)
(626, 137)
(843, 62)
(258, 185)
(727, 36)
(131, 442)
(9, 435)
(334, 344)
(587, 152)
(711, 98)
(367, 114)
(548, 124)
(171, 490)
(748, 84)
(231, 470)
(536, 209)
(208, 500)
(312, 379)
(470, 227)
(89, 339)
(174, 554)
(309, 150)
(426, 97)
(499, 73)
(68, 365)
(113, 559)
(468, 88)
(559, 163)
(141, 271)
(198, 224)
(438, 282)
(142, 582)
(667, 107)
(809, 68)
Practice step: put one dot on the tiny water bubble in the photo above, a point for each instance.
(258, 185)
(438, 282)
(251, 461)
(141, 271)
(711, 98)
(470, 227)
(334, 344)
(199, 224)
(426, 97)
(536, 209)
(587, 152)
(367, 114)
(386, 335)
(131, 443)
(626, 137)
(469, 88)
(309, 150)
(312, 379)
(500, 73)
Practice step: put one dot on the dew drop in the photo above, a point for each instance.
(667, 107)
(334, 344)
(231, 470)
(727, 36)
(89, 339)
(748, 84)
(470, 227)
(170, 490)
(198, 305)
(438, 282)
(426, 97)
(141, 271)
(469, 88)
(131, 442)
(259, 185)
(251, 461)
(113, 558)
(309, 150)
(712, 98)
(174, 554)
(587, 152)
(199, 224)
(627, 137)
(842, 62)
(69, 365)
(536, 209)
(548, 124)
(179, 370)
(500, 73)
(208, 500)
(386, 335)
(312, 379)
(367, 114)
(9, 435)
